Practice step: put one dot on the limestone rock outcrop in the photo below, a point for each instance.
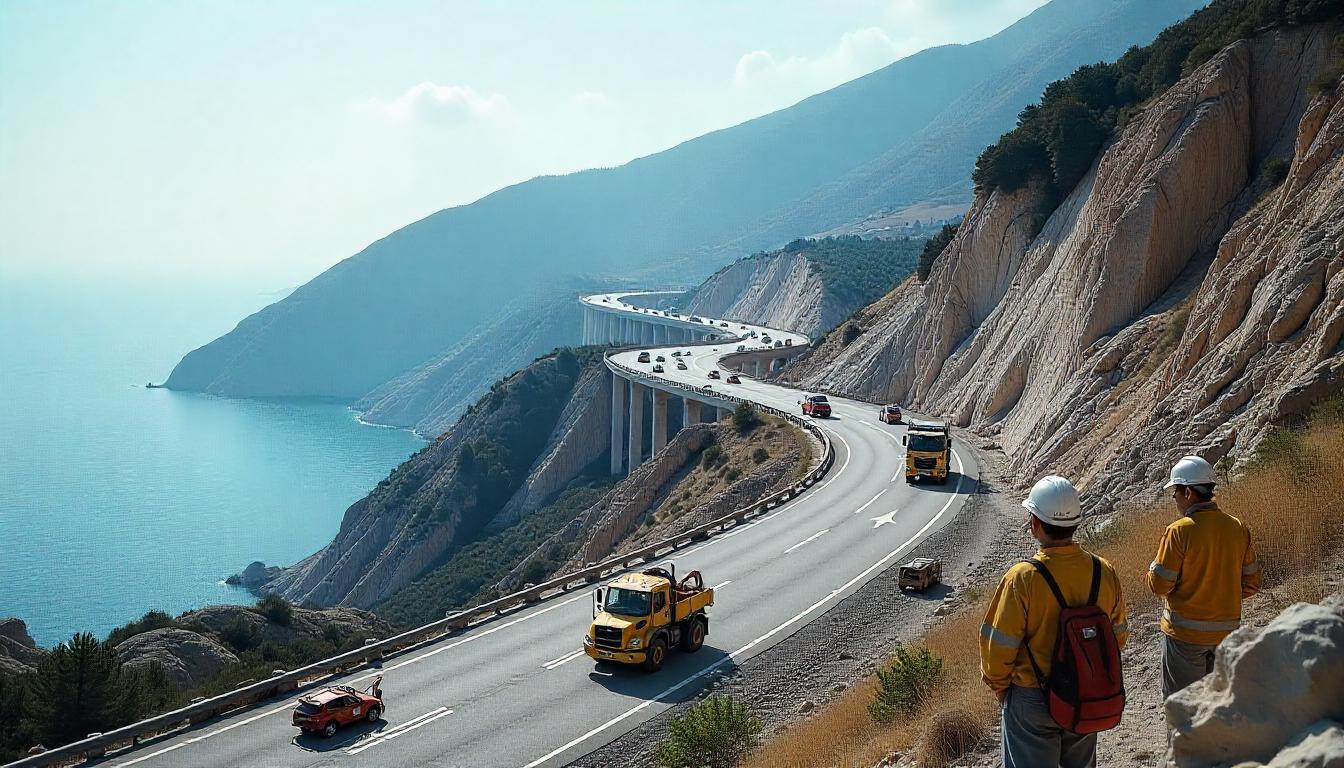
(187, 658)
(1275, 696)
(18, 653)
(1174, 302)
(782, 290)
(254, 575)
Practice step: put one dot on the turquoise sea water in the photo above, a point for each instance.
(116, 499)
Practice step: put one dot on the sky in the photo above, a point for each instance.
(260, 143)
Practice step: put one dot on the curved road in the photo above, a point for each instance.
(518, 691)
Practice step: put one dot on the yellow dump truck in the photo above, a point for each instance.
(928, 451)
(638, 617)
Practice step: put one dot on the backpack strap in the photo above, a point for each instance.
(1096, 580)
(1054, 585)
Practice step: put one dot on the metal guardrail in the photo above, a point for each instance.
(200, 711)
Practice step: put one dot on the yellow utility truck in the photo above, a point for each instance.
(928, 451)
(639, 616)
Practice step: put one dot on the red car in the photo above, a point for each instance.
(327, 710)
(890, 414)
(817, 406)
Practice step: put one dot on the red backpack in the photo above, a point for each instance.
(1085, 690)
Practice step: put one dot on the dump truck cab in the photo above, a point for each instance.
(928, 451)
(639, 617)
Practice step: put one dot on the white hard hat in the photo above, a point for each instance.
(1054, 500)
(1192, 470)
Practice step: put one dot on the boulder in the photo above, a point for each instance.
(18, 653)
(188, 658)
(254, 575)
(1320, 746)
(1267, 688)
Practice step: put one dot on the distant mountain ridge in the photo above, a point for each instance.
(405, 302)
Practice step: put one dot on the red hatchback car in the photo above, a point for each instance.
(817, 406)
(327, 710)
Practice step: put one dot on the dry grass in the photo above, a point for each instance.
(1292, 502)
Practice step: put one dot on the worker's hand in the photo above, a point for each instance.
(1001, 695)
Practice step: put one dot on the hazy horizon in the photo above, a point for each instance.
(136, 142)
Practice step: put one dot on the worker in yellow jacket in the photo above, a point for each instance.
(1022, 623)
(1205, 567)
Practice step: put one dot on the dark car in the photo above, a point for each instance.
(733, 379)
(713, 374)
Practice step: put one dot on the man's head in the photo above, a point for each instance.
(1054, 511)
(1192, 482)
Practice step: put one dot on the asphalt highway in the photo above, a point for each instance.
(519, 692)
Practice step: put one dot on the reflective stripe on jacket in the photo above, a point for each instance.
(1024, 614)
(1205, 567)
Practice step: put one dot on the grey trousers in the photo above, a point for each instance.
(1183, 663)
(1032, 739)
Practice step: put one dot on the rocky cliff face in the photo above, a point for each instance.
(780, 291)
(1177, 301)
(500, 461)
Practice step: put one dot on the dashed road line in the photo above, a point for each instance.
(868, 503)
(811, 538)
(402, 730)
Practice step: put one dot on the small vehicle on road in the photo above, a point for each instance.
(778, 343)
(713, 374)
(920, 574)
(661, 359)
(766, 338)
(889, 414)
(681, 366)
(643, 357)
(741, 347)
(639, 616)
(325, 711)
(732, 379)
(788, 342)
(657, 368)
(676, 354)
(723, 325)
(817, 406)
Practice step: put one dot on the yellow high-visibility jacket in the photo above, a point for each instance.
(1025, 614)
(1205, 567)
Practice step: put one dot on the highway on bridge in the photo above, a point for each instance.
(518, 692)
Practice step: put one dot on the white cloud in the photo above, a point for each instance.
(430, 102)
(857, 53)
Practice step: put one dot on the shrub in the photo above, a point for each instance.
(850, 332)
(715, 733)
(732, 474)
(745, 417)
(949, 735)
(151, 620)
(933, 248)
(711, 456)
(240, 635)
(760, 455)
(905, 685)
(277, 609)
(1273, 172)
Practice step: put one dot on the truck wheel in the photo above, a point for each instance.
(694, 638)
(653, 660)
(330, 730)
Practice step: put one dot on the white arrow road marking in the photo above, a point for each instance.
(740, 651)
(870, 501)
(402, 730)
(890, 517)
(553, 663)
(813, 537)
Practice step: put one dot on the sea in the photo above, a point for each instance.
(116, 499)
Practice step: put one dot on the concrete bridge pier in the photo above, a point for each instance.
(690, 412)
(618, 397)
(659, 420)
(635, 455)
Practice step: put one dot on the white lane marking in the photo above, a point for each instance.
(204, 736)
(553, 663)
(735, 654)
(848, 454)
(811, 538)
(900, 471)
(870, 501)
(721, 585)
(403, 729)
(890, 517)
